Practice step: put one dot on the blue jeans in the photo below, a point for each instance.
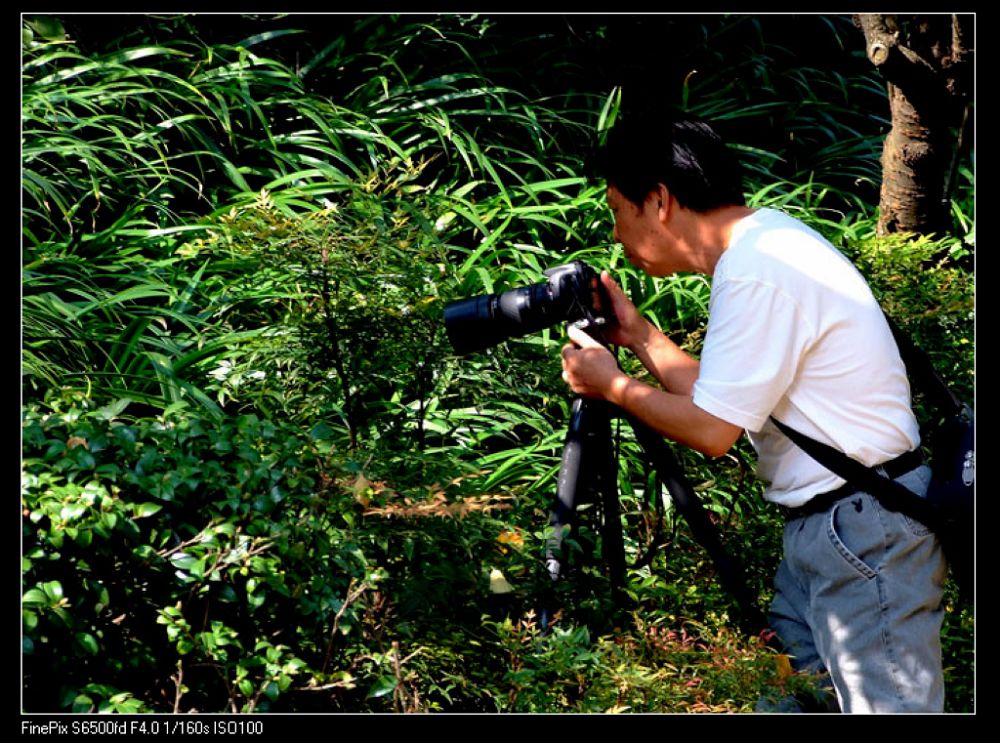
(858, 594)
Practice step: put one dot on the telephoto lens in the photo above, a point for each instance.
(469, 325)
(573, 292)
(484, 321)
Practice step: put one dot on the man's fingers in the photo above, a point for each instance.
(620, 303)
(611, 287)
(580, 338)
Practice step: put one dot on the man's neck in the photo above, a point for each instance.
(708, 235)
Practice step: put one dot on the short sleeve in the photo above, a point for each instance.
(755, 340)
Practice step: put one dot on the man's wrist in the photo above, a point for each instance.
(645, 337)
(618, 389)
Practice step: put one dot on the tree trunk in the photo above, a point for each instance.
(927, 62)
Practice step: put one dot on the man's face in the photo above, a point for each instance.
(640, 232)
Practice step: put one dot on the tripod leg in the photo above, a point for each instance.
(588, 474)
(572, 478)
(605, 482)
(730, 571)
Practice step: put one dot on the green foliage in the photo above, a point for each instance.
(221, 566)
(653, 668)
(923, 285)
(178, 511)
(254, 476)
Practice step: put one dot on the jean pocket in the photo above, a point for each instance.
(854, 530)
(916, 528)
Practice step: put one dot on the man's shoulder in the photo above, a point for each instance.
(773, 244)
(771, 230)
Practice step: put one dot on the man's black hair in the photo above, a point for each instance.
(645, 148)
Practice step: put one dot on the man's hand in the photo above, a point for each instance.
(589, 368)
(673, 368)
(631, 328)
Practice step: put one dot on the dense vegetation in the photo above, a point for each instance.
(255, 478)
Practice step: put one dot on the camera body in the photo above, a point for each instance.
(573, 293)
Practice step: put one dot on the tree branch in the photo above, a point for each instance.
(899, 63)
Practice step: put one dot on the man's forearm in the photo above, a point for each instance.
(673, 368)
(674, 416)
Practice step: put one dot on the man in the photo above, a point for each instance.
(795, 333)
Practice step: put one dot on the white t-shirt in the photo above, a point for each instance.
(795, 332)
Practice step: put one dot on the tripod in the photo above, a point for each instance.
(588, 473)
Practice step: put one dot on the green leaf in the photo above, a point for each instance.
(54, 590)
(256, 600)
(143, 510)
(82, 703)
(72, 511)
(83, 537)
(35, 597)
(384, 685)
(48, 27)
(184, 561)
(88, 642)
(103, 598)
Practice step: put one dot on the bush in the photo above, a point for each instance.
(181, 563)
(924, 284)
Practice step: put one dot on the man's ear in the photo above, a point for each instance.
(663, 201)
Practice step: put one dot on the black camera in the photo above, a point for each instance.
(573, 294)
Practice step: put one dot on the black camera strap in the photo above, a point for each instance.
(874, 480)
(890, 493)
(918, 365)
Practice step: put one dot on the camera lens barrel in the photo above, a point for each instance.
(483, 321)
(469, 324)
(528, 309)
